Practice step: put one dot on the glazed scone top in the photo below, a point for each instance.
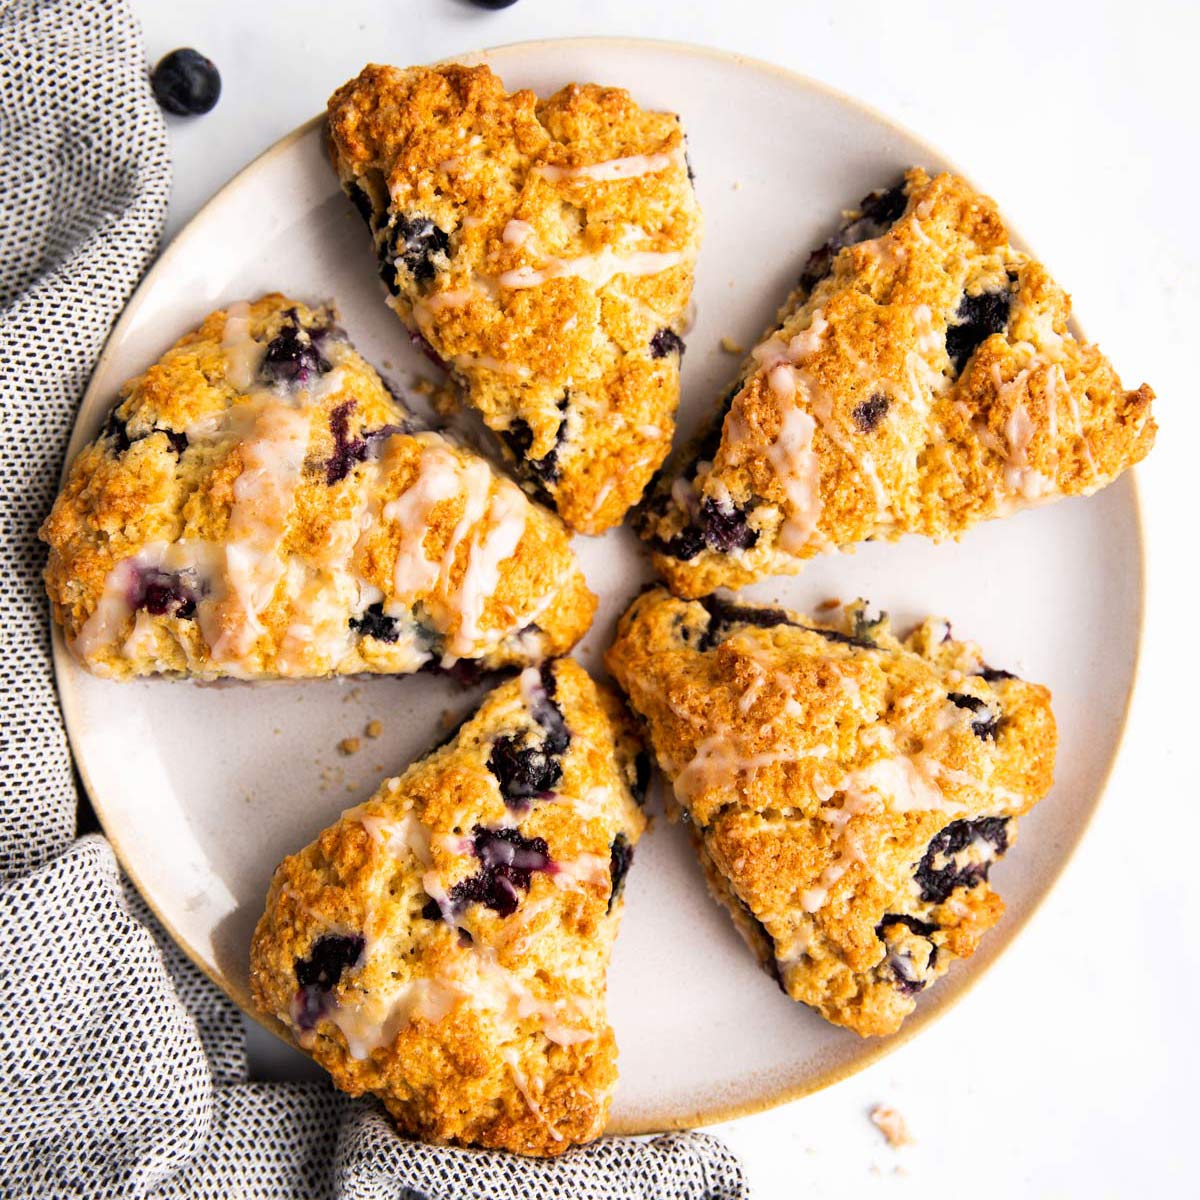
(819, 764)
(922, 378)
(472, 923)
(544, 250)
(259, 505)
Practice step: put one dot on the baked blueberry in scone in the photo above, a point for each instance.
(847, 792)
(444, 945)
(258, 504)
(542, 251)
(920, 379)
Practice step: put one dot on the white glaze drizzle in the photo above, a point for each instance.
(632, 166)
(598, 270)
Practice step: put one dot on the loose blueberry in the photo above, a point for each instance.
(374, 623)
(978, 317)
(417, 242)
(666, 341)
(508, 860)
(937, 882)
(620, 856)
(292, 358)
(869, 413)
(985, 728)
(878, 212)
(186, 83)
(493, 4)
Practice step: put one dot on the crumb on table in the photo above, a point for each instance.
(826, 605)
(732, 347)
(374, 727)
(891, 1124)
(349, 745)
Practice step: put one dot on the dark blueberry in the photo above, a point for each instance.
(904, 970)
(992, 674)
(507, 862)
(388, 274)
(416, 242)
(186, 83)
(620, 855)
(358, 194)
(163, 594)
(985, 728)
(528, 766)
(764, 944)
(524, 772)
(877, 213)
(348, 452)
(329, 957)
(978, 317)
(666, 341)
(641, 777)
(374, 623)
(519, 438)
(936, 883)
(725, 531)
(493, 4)
(870, 412)
(685, 545)
(291, 357)
(724, 617)
(117, 432)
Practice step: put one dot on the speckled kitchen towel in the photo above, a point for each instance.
(123, 1071)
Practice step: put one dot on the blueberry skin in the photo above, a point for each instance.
(493, 4)
(186, 83)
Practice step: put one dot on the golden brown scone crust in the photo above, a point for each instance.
(851, 420)
(260, 505)
(544, 250)
(472, 1024)
(845, 790)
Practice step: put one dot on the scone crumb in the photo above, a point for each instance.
(732, 347)
(892, 1125)
(826, 605)
(349, 745)
(374, 727)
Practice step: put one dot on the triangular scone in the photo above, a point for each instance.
(846, 791)
(542, 251)
(445, 944)
(260, 505)
(920, 379)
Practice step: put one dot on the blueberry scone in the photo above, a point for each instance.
(920, 379)
(258, 504)
(444, 945)
(846, 792)
(542, 251)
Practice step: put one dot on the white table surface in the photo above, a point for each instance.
(1069, 1070)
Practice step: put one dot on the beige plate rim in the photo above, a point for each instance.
(771, 1096)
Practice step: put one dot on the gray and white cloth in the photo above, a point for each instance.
(122, 1070)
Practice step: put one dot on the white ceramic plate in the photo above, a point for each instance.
(204, 789)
